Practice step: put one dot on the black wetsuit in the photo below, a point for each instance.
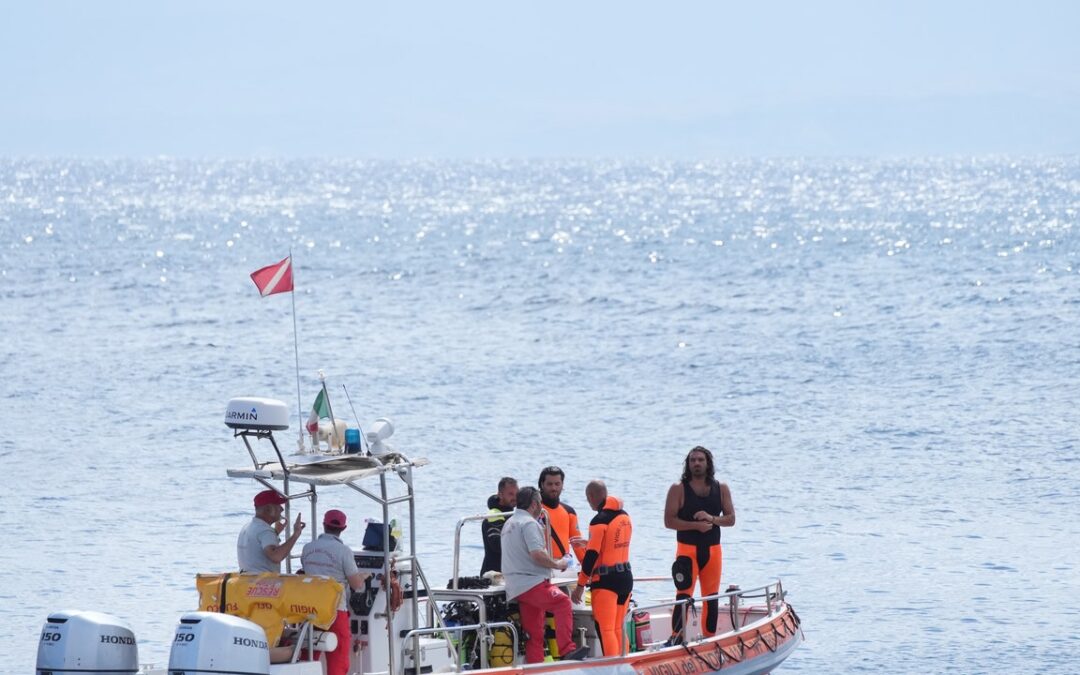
(698, 556)
(491, 529)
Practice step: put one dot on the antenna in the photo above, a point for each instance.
(355, 418)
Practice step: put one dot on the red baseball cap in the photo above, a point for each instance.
(334, 518)
(268, 497)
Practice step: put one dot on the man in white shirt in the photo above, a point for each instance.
(330, 557)
(257, 547)
(527, 565)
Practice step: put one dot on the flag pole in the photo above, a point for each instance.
(330, 409)
(296, 353)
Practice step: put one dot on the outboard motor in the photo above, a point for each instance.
(86, 642)
(207, 642)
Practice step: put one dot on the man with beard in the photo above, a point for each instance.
(696, 508)
(491, 528)
(562, 518)
(527, 566)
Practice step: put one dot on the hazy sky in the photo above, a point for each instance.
(516, 79)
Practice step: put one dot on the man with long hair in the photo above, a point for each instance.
(696, 508)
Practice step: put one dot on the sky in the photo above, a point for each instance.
(465, 80)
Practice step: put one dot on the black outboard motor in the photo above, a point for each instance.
(86, 642)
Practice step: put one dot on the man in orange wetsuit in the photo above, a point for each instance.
(696, 508)
(562, 518)
(606, 567)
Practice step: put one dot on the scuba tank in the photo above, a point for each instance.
(502, 648)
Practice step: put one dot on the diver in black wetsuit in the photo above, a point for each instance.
(491, 528)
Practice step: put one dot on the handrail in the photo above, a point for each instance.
(478, 598)
(482, 629)
(770, 592)
(742, 593)
(457, 540)
(434, 617)
(769, 596)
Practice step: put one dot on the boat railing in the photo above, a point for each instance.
(484, 638)
(435, 618)
(457, 539)
(772, 594)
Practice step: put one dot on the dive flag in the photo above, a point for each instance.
(319, 409)
(276, 278)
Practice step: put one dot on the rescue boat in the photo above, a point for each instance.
(400, 624)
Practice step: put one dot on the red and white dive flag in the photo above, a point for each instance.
(276, 278)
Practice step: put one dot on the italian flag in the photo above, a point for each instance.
(320, 409)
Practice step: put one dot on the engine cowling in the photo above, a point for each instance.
(207, 642)
(75, 641)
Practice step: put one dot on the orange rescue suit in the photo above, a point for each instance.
(563, 521)
(606, 568)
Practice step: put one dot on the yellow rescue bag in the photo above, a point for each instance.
(271, 600)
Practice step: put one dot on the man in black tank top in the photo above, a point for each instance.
(696, 508)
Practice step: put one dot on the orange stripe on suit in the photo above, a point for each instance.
(606, 568)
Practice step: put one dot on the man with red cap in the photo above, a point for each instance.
(330, 557)
(257, 547)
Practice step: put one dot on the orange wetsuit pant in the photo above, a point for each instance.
(610, 616)
(610, 597)
(692, 564)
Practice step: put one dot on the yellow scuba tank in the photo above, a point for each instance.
(502, 649)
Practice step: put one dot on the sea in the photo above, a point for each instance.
(882, 354)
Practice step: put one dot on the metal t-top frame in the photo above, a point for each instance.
(347, 470)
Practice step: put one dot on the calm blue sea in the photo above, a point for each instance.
(884, 356)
